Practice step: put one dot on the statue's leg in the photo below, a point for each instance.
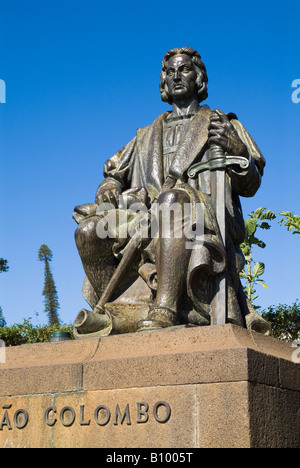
(171, 258)
(96, 254)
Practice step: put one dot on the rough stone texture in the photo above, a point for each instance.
(225, 386)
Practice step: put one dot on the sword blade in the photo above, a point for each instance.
(219, 304)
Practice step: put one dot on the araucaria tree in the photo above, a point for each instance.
(3, 265)
(3, 268)
(50, 292)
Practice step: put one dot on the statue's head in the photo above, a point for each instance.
(193, 73)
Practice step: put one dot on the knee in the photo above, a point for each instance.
(86, 232)
(172, 196)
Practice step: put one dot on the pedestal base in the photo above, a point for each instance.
(204, 387)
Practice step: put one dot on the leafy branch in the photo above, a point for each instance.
(253, 270)
(291, 221)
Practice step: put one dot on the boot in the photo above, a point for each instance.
(158, 317)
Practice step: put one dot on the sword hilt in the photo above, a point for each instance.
(216, 151)
(218, 160)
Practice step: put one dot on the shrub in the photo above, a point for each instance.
(26, 332)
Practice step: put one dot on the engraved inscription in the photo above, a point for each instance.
(127, 415)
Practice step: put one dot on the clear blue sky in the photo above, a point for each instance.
(82, 76)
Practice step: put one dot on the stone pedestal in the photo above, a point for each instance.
(191, 388)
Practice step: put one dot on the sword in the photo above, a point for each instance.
(218, 163)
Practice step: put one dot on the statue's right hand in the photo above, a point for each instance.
(108, 193)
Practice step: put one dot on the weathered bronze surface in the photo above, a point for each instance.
(194, 160)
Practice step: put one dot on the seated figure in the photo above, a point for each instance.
(148, 279)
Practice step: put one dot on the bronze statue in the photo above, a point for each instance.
(197, 160)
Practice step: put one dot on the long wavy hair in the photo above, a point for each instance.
(200, 69)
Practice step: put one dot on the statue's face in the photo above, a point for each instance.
(181, 78)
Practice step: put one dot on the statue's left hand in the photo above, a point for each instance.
(222, 133)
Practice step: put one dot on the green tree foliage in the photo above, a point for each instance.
(285, 321)
(253, 271)
(49, 292)
(291, 221)
(3, 265)
(27, 333)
